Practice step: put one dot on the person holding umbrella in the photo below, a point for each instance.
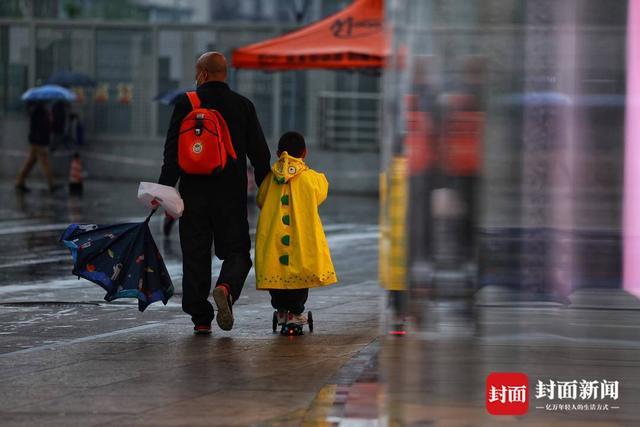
(40, 131)
(215, 200)
(39, 139)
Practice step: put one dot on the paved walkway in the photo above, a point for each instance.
(69, 358)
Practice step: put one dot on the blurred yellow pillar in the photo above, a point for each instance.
(393, 229)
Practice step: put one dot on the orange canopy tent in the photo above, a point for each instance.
(351, 38)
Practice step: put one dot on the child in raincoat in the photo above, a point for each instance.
(292, 254)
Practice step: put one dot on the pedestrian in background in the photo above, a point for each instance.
(76, 130)
(39, 140)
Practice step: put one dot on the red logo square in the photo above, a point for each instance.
(507, 393)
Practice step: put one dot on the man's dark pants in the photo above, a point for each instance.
(217, 219)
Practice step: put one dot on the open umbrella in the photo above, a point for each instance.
(48, 93)
(170, 97)
(123, 259)
(70, 78)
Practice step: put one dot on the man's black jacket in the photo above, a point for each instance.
(246, 136)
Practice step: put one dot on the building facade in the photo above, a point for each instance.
(144, 48)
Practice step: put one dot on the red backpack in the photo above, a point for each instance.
(204, 142)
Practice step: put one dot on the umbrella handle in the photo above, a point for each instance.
(151, 214)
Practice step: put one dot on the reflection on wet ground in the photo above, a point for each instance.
(68, 357)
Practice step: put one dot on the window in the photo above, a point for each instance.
(124, 67)
(14, 69)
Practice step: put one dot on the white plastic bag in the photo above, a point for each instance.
(165, 196)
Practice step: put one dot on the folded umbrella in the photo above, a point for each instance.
(123, 259)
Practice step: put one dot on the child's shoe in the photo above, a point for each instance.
(297, 319)
(279, 319)
(294, 324)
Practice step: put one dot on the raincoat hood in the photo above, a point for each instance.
(287, 167)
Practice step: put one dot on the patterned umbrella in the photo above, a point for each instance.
(123, 259)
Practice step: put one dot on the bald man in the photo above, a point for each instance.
(215, 206)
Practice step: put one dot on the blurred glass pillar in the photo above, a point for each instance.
(631, 210)
(546, 78)
(394, 233)
(548, 136)
(599, 131)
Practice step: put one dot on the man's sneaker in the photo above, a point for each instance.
(222, 298)
(297, 319)
(202, 329)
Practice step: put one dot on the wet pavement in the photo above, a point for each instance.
(69, 358)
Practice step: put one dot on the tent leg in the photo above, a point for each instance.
(277, 105)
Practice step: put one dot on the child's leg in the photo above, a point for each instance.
(28, 165)
(279, 299)
(291, 300)
(296, 300)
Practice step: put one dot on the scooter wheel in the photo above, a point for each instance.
(310, 321)
(275, 322)
(292, 330)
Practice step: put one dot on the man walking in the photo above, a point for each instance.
(215, 205)
(39, 139)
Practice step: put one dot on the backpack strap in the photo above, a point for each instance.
(193, 99)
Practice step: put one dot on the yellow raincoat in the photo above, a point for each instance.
(291, 248)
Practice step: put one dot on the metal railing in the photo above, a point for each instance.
(87, 45)
(349, 121)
